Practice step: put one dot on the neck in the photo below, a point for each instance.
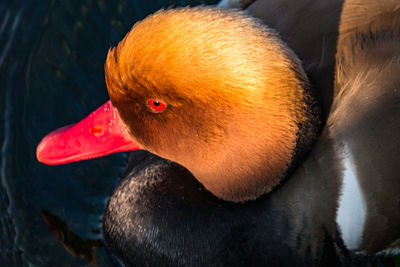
(272, 150)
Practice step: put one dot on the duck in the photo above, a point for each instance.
(240, 156)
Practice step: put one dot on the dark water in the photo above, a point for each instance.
(51, 74)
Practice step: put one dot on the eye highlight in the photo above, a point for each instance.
(156, 105)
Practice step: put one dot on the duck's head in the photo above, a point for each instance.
(213, 90)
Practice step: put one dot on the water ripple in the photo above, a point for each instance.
(9, 251)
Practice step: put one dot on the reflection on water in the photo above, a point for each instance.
(51, 74)
(72, 242)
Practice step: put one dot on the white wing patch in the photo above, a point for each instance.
(352, 208)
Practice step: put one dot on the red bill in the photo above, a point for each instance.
(99, 134)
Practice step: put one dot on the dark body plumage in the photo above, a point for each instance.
(160, 215)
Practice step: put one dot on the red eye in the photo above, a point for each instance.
(156, 105)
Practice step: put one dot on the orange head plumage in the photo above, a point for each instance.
(236, 104)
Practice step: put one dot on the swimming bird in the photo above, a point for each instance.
(228, 108)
